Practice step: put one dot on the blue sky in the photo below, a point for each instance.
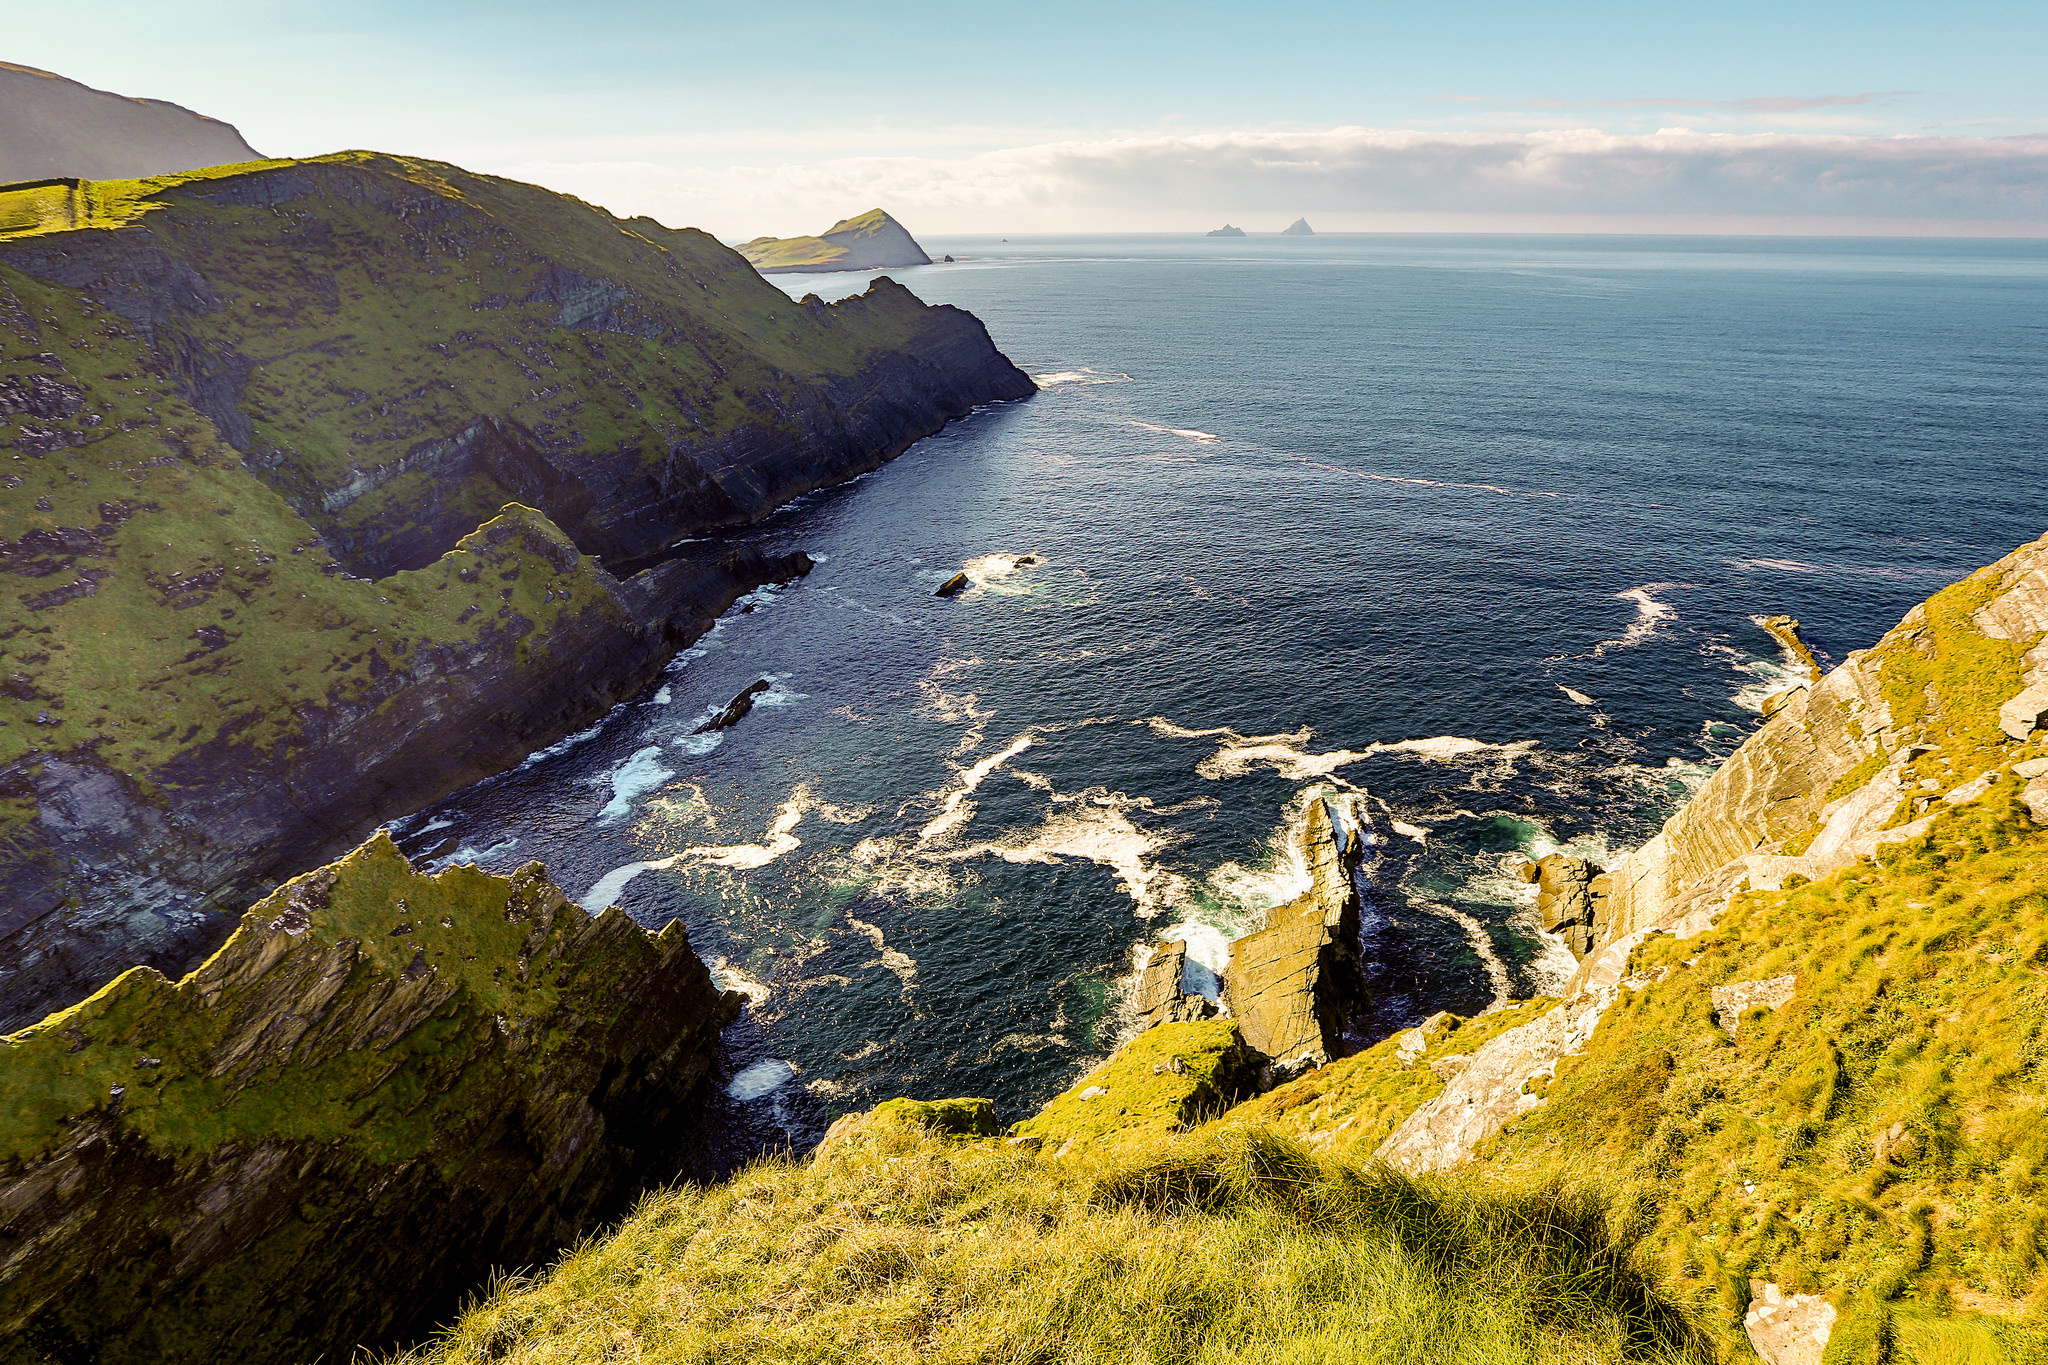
(1062, 116)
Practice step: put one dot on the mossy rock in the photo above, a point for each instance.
(1166, 1080)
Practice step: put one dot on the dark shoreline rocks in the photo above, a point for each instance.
(735, 710)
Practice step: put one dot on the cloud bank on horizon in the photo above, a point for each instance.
(1360, 178)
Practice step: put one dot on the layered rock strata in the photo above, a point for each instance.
(1862, 760)
(381, 1087)
(335, 485)
(1294, 984)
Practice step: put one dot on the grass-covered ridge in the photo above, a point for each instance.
(253, 422)
(1880, 1137)
(384, 1084)
(902, 1245)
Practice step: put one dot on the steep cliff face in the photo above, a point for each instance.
(381, 1086)
(58, 127)
(1846, 765)
(318, 480)
(1294, 984)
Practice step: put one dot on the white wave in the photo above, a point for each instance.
(568, 742)
(476, 857)
(1080, 376)
(696, 746)
(1200, 438)
(1650, 613)
(902, 964)
(955, 807)
(607, 888)
(1497, 974)
(762, 1078)
(640, 773)
(1781, 565)
(727, 977)
(1578, 697)
(662, 695)
(1287, 753)
(777, 841)
(1772, 677)
(1093, 826)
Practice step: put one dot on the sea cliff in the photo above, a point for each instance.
(383, 1085)
(335, 485)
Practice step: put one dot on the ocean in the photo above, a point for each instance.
(1478, 524)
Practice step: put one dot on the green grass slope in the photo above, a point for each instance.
(253, 421)
(900, 1244)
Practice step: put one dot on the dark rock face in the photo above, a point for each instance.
(1571, 901)
(383, 1086)
(354, 481)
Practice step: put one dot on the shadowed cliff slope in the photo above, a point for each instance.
(383, 1085)
(308, 468)
(58, 127)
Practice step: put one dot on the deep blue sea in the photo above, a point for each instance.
(1478, 524)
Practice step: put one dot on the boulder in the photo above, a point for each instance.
(953, 586)
(2025, 713)
(1159, 998)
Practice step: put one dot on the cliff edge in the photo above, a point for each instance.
(381, 1087)
(332, 486)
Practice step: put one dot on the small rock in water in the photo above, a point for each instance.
(736, 710)
(953, 586)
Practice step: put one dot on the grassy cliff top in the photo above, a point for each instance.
(915, 1246)
(350, 1005)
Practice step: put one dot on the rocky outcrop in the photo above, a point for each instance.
(257, 420)
(866, 241)
(1298, 228)
(58, 127)
(1294, 984)
(1824, 781)
(1159, 998)
(382, 1086)
(1227, 231)
(1571, 901)
(1835, 777)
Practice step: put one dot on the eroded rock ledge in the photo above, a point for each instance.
(381, 1087)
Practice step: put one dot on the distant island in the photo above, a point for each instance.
(1298, 228)
(868, 241)
(58, 128)
(1228, 231)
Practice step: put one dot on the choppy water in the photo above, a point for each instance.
(1478, 524)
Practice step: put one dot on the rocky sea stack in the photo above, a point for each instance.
(381, 1087)
(336, 485)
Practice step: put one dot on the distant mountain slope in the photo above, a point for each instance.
(307, 469)
(51, 127)
(867, 241)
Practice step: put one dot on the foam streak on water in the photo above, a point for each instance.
(1480, 524)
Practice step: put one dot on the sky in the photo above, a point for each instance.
(1799, 116)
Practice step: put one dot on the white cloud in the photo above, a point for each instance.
(1675, 179)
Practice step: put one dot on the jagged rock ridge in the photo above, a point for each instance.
(382, 1086)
